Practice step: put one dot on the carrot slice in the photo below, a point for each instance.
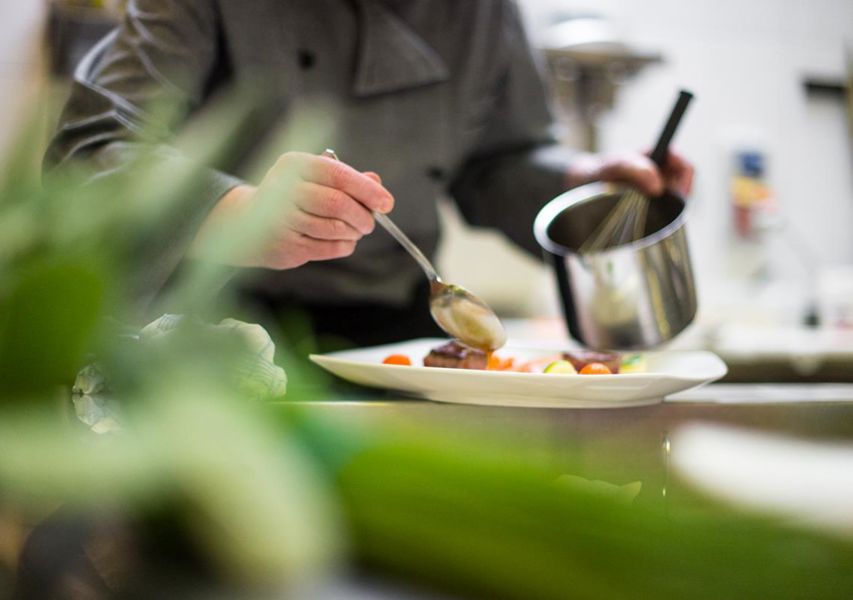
(596, 369)
(397, 359)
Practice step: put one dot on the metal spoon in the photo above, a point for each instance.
(457, 311)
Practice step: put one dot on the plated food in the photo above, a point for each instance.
(644, 378)
(453, 355)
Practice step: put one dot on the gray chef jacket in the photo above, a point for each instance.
(440, 97)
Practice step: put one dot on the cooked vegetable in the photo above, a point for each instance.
(397, 359)
(581, 358)
(537, 365)
(560, 367)
(496, 363)
(596, 369)
(633, 363)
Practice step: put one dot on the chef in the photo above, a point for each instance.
(431, 98)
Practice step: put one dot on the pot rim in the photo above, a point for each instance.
(587, 193)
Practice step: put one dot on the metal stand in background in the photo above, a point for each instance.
(587, 62)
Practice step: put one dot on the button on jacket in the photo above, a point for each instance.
(440, 97)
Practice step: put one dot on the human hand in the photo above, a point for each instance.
(636, 170)
(325, 209)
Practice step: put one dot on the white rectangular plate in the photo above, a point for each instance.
(666, 373)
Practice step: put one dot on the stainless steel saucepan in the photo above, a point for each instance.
(632, 296)
(633, 290)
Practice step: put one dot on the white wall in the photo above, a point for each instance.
(21, 65)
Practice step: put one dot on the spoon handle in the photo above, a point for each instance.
(398, 235)
(408, 244)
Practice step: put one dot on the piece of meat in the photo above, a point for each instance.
(581, 358)
(454, 355)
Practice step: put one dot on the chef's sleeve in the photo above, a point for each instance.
(516, 165)
(163, 55)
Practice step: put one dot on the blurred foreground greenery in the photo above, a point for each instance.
(204, 488)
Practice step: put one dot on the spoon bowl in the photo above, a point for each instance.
(465, 316)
